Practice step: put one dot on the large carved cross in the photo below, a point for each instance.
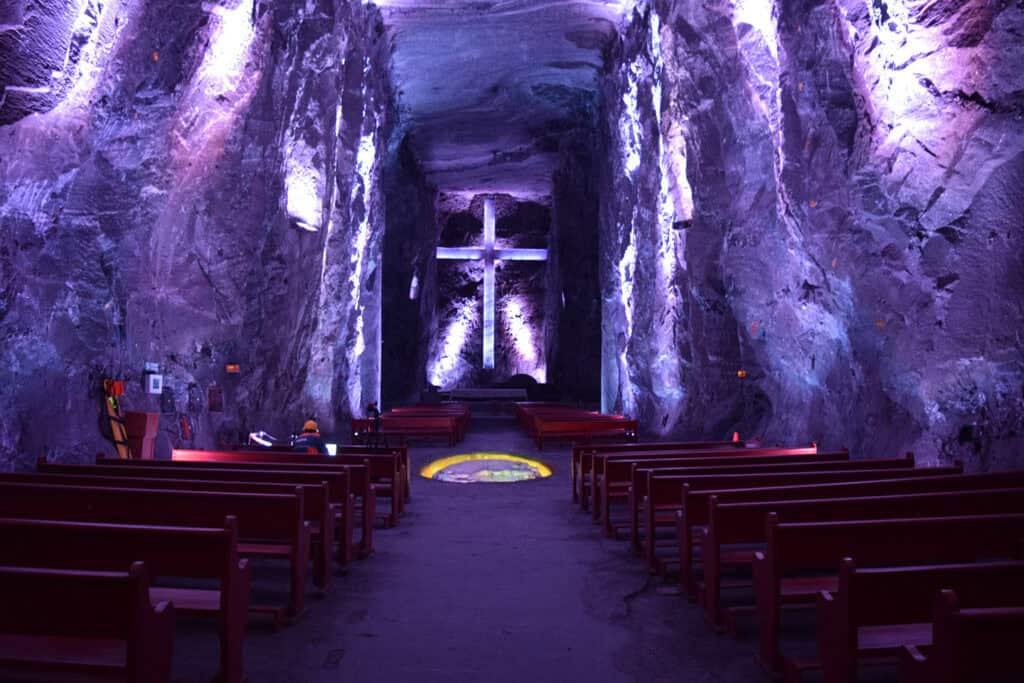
(489, 254)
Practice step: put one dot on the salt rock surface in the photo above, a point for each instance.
(149, 210)
(850, 268)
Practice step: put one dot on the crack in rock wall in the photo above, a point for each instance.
(202, 190)
(851, 271)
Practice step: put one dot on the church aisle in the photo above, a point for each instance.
(494, 582)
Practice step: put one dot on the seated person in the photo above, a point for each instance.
(310, 441)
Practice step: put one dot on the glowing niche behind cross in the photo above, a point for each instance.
(488, 253)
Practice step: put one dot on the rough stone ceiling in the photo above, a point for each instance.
(486, 88)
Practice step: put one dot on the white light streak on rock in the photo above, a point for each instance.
(304, 185)
(448, 367)
(517, 326)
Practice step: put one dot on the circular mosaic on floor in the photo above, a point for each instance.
(485, 468)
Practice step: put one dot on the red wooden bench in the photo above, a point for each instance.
(269, 525)
(599, 461)
(386, 470)
(458, 411)
(317, 503)
(692, 517)
(547, 421)
(875, 612)
(974, 644)
(626, 480)
(734, 524)
(178, 552)
(340, 450)
(97, 622)
(581, 454)
(665, 493)
(360, 484)
(795, 549)
(403, 427)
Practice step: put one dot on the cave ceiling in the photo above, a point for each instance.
(486, 89)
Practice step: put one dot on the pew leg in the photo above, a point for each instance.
(634, 528)
(345, 545)
(605, 514)
(396, 504)
(232, 629)
(768, 617)
(323, 551)
(572, 476)
(299, 562)
(369, 514)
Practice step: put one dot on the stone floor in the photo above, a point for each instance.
(486, 582)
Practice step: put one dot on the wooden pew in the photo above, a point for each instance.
(179, 552)
(618, 473)
(875, 612)
(338, 480)
(269, 525)
(99, 622)
(692, 517)
(627, 480)
(541, 421)
(341, 450)
(317, 499)
(797, 548)
(360, 483)
(386, 470)
(583, 429)
(744, 524)
(664, 490)
(581, 454)
(404, 427)
(459, 411)
(599, 461)
(969, 644)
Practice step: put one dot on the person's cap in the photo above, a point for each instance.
(310, 426)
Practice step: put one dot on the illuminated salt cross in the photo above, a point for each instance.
(489, 254)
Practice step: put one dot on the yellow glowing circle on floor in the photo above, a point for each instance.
(476, 468)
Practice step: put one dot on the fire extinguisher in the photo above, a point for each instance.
(185, 430)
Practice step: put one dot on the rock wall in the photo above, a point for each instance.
(812, 224)
(410, 277)
(199, 186)
(573, 297)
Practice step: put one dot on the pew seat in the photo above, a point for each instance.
(796, 550)
(84, 621)
(875, 612)
(210, 554)
(969, 645)
(745, 523)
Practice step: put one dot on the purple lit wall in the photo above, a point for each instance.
(812, 225)
(189, 184)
